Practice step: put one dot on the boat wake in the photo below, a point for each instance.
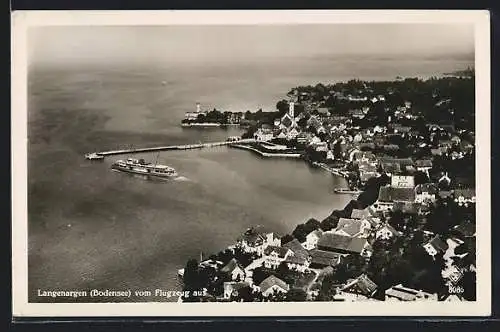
(182, 178)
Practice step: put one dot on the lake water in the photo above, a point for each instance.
(90, 227)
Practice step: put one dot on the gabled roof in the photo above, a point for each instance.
(296, 248)
(317, 232)
(438, 244)
(466, 229)
(349, 226)
(272, 281)
(335, 242)
(281, 251)
(392, 194)
(466, 193)
(360, 214)
(430, 188)
(326, 258)
(423, 163)
(361, 285)
(233, 264)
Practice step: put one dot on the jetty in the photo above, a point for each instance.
(171, 147)
(332, 170)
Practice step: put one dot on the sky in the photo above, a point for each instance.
(195, 43)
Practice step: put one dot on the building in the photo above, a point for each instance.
(388, 195)
(402, 181)
(464, 196)
(400, 293)
(255, 240)
(231, 288)
(273, 256)
(352, 227)
(234, 270)
(426, 193)
(273, 284)
(312, 239)
(344, 244)
(436, 246)
(362, 286)
(386, 232)
(322, 258)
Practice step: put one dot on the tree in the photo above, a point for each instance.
(190, 277)
(300, 232)
(296, 295)
(286, 238)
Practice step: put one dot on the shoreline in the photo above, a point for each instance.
(266, 154)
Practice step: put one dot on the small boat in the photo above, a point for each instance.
(180, 273)
(141, 167)
(94, 156)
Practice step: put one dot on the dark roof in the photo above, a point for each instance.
(362, 285)
(466, 229)
(392, 194)
(281, 251)
(430, 188)
(401, 161)
(438, 244)
(466, 193)
(271, 281)
(296, 248)
(406, 207)
(233, 263)
(325, 258)
(444, 193)
(300, 259)
(335, 242)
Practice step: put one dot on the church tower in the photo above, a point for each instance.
(291, 110)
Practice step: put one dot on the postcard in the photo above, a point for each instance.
(251, 163)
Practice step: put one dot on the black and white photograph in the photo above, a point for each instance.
(315, 157)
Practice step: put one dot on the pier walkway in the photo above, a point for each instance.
(173, 147)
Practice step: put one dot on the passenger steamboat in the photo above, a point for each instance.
(140, 166)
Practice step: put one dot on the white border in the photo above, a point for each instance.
(22, 20)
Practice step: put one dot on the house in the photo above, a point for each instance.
(344, 244)
(386, 232)
(231, 288)
(406, 207)
(273, 256)
(322, 258)
(362, 214)
(255, 240)
(402, 181)
(298, 263)
(435, 246)
(273, 284)
(297, 248)
(465, 230)
(352, 227)
(362, 285)
(426, 193)
(464, 196)
(400, 293)
(234, 270)
(444, 180)
(388, 195)
(312, 239)
(262, 135)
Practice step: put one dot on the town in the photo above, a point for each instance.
(408, 148)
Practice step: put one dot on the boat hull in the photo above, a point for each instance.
(143, 172)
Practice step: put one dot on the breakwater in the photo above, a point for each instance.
(171, 147)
